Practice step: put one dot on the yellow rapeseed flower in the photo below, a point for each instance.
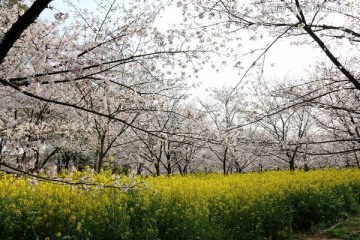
(79, 227)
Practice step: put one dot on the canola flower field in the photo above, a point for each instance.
(269, 205)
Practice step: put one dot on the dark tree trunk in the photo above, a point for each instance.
(224, 161)
(157, 168)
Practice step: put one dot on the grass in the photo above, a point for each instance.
(347, 229)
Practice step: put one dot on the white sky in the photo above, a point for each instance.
(281, 60)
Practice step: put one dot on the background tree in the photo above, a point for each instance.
(226, 110)
(334, 109)
(177, 148)
(286, 130)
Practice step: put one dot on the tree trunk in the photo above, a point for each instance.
(100, 155)
(225, 160)
(157, 168)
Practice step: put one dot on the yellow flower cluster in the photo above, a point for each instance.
(203, 206)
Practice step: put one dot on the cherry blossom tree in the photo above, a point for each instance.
(285, 130)
(227, 109)
(330, 27)
(334, 107)
(91, 49)
(323, 24)
(34, 132)
(114, 63)
(235, 27)
(180, 142)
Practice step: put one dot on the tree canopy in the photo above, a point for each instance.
(109, 87)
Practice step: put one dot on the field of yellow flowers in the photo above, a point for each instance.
(268, 205)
